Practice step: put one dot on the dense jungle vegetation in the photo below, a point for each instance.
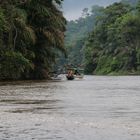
(31, 35)
(106, 40)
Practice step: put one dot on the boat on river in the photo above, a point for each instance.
(74, 73)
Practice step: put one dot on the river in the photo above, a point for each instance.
(95, 108)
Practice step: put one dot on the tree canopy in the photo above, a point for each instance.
(105, 40)
(30, 33)
(114, 44)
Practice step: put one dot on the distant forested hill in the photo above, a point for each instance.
(131, 2)
(77, 32)
(113, 47)
(106, 40)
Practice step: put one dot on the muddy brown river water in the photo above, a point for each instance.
(95, 108)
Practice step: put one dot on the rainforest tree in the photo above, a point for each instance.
(31, 33)
(113, 46)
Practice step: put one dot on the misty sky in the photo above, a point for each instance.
(73, 8)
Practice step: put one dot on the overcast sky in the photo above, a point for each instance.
(73, 8)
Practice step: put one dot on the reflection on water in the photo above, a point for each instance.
(96, 108)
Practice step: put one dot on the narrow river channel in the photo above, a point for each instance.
(95, 108)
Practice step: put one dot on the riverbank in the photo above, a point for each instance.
(119, 73)
(14, 82)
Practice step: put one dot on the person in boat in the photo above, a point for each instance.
(70, 73)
